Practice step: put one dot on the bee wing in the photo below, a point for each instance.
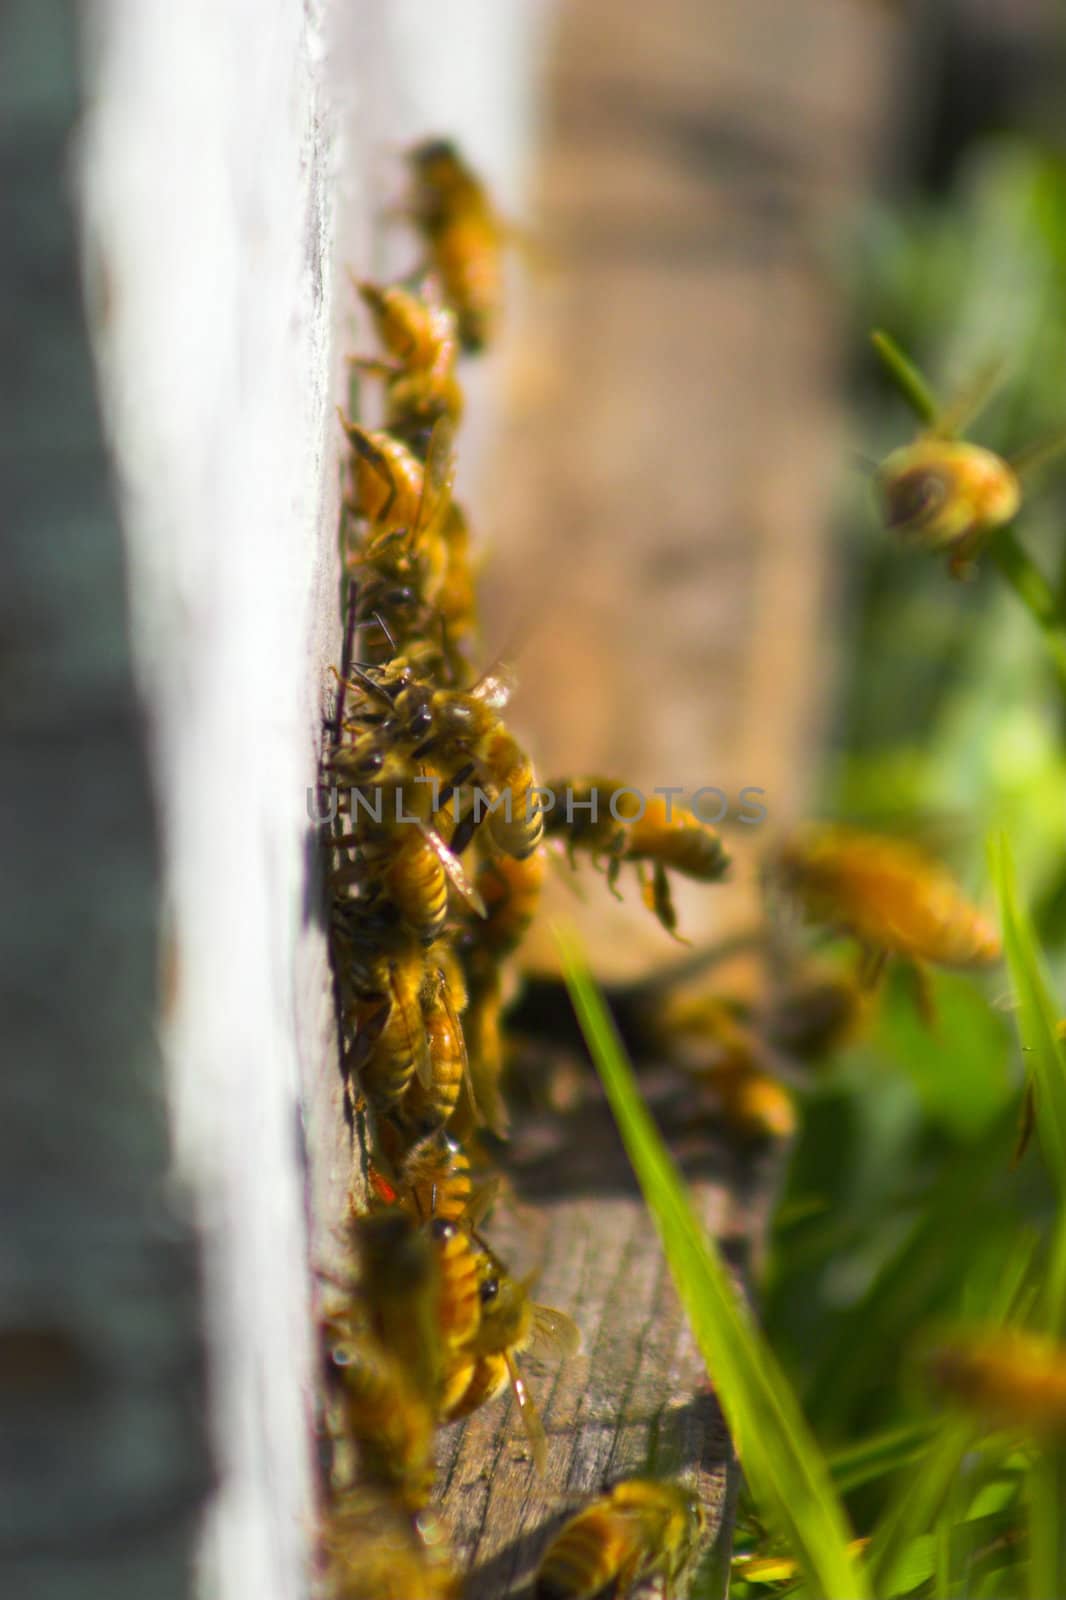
(1034, 455)
(966, 404)
(555, 1335)
(496, 686)
(456, 875)
(531, 1422)
(414, 1036)
(438, 475)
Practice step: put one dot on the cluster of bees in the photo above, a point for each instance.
(437, 860)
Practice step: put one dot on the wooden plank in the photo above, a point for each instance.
(637, 1401)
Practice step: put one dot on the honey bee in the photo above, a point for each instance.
(383, 999)
(430, 1101)
(947, 494)
(405, 503)
(400, 1292)
(439, 1178)
(510, 890)
(639, 1531)
(420, 382)
(390, 1419)
(460, 1287)
(614, 825)
(510, 1324)
(464, 237)
(462, 729)
(373, 1551)
(735, 1062)
(664, 839)
(942, 491)
(886, 894)
(1007, 1376)
(586, 824)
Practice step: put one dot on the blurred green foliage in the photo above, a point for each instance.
(903, 1206)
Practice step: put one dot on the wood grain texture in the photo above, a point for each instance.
(637, 1401)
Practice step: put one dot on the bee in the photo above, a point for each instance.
(510, 890)
(439, 1178)
(429, 1101)
(464, 236)
(614, 825)
(886, 894)
(383, 1000)
(399, 1280)
(460, 1287)
(639, 1531)
(947, 494)
(403, 862)
(735, 1062)
(510, 1324)
(373, 1551)
(665, 839)
(405, 503)
(942, 491)
(391, 1420)
(578, 813)
(462, 729)
(1007, 1376)
(420, 382)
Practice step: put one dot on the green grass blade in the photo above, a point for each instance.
(785, 1469)
(906, 377)
(879, 1456)
(1046, 1493)
(1035, 593)
(917, 1509)
(1036, 1016)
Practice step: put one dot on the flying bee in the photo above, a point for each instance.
(420, 382)
(614, 825)
(1007, 1376)
(886, 894)
(942, 491)
(639, 1531)
(578, 814)
(464, 237)
(947, 494)
(510, 1324)
(665, 839)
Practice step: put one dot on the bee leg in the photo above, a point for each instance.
(614, 868)
(662, 902)
(376, 368)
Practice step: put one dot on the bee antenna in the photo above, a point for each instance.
(386, 630)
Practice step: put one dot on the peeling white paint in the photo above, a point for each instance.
(236, 160)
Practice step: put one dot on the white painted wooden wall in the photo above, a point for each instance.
(237, 158)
